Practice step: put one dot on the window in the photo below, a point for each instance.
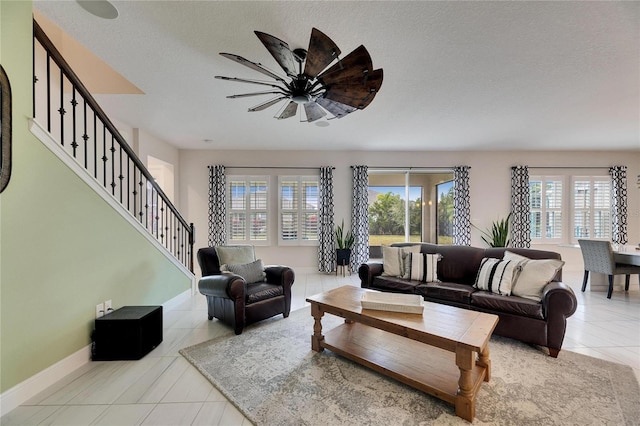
(591, 207)
(298, 209)
(247, 209)
(566, 208)
(404, 205)
(546, 208)
(444, 213)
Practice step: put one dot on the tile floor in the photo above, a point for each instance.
(164, 389)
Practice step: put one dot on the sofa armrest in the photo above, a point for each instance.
(280, 275)
(367, 272)
(226, 285)
(558, 303)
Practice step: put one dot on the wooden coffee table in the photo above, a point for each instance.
(443, 352)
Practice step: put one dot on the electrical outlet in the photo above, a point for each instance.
(99, 310)
(107, 306)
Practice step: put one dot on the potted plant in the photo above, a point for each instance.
(344, 241)
(498, 234)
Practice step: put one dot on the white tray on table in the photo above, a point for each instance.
(394, 302)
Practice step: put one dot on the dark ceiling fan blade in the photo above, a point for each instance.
(352, 65)
(336, 108)
(289, 111)
(280, 52)
(244, 80)
(322, 51)
(246, 95)
(357, 92)
(313, 111)
(253, 65)
(267, 104)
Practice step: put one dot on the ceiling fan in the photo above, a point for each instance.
(348, 85)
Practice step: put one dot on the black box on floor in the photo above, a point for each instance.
(127, 333)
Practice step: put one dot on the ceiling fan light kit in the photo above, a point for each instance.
(348, 85)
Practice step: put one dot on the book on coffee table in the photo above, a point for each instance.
(394, 302)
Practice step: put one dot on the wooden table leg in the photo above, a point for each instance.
(317, 338)
(485, 362)
(465, 401)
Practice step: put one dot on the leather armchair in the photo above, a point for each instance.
(237, 303)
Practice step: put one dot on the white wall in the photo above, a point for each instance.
(490, 182)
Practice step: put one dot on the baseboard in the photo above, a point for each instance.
(22, 392)
(177, 300)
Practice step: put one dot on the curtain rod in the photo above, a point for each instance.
(566, 167)
(273, 167)
(411, 168)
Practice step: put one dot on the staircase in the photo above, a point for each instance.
(82, 131)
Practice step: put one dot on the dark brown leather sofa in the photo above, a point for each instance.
(540, 323)
(236, 302)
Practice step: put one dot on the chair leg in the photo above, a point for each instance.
(626, 282)
(610, 287)
(584, 281)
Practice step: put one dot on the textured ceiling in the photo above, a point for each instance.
(457, 75)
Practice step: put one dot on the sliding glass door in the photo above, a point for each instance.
(401, 207)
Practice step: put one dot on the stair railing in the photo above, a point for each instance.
(81, 127)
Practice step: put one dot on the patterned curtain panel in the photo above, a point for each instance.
(217, 206)
(520, 207)
(461, 206)
(327, 249)
(360, 216)
(618, 204)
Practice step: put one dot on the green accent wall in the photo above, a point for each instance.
(63, 249)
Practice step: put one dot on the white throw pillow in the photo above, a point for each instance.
(496, 275)
(533, 275)
(234, 255)
(393, 260)
(251, 272)
(422, 267)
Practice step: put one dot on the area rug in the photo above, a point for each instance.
(272, 376)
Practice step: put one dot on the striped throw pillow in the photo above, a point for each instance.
(496, 275)
(423, 267)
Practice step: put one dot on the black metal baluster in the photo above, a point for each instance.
(35, 79)
(154, 211)
(141, 195)
(146, 205)
(104, 156)
(113, 167)
(120, 176)
(128, 183)
(62, 110)
(74, 104)
(180, 243)
(95, 144)
(48, 92)
(85, 136)
(135, 198)
(162, 222)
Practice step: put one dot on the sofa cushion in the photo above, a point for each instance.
(393, 259)
(511, 304)
(394, 284)
(453, 292)
(496, 275)
(251, 272)
(422, 267)
(533, 275)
